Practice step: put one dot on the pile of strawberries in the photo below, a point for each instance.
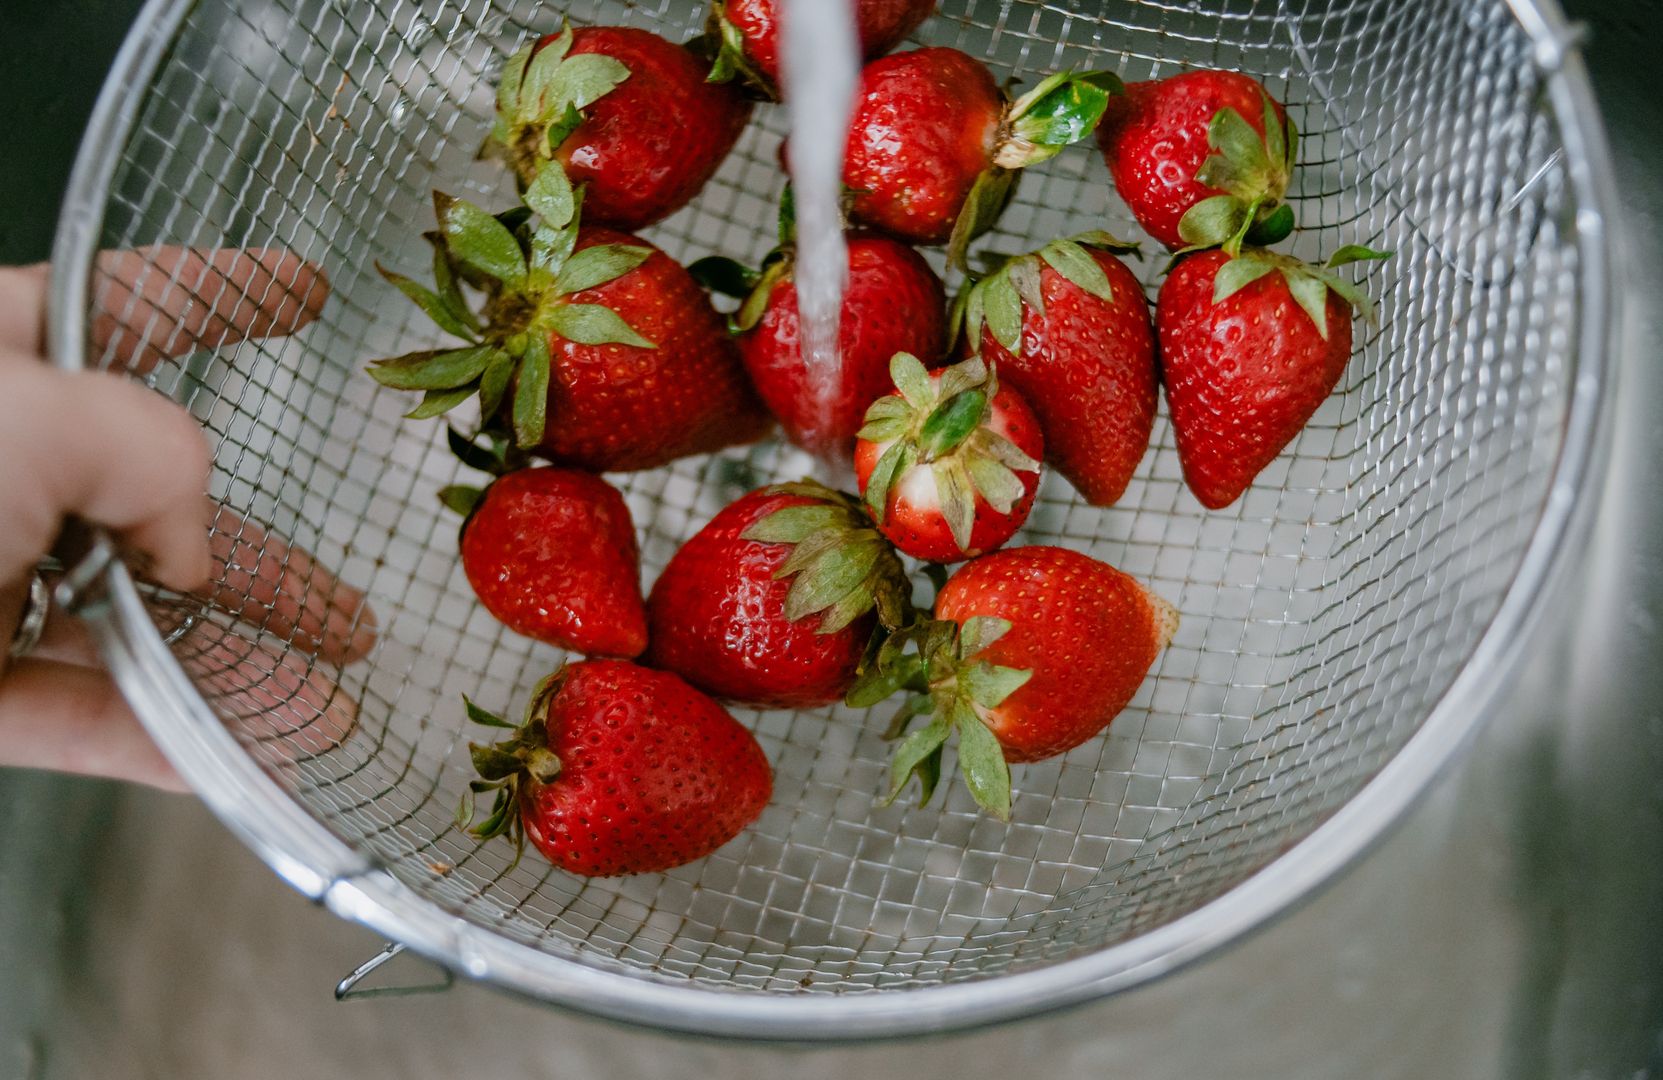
(590, 349)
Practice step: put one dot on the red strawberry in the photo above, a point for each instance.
(751, 45)
(1202, 157)
(1250, 347)
(619, 769)
(934, 142)
(594, 346)
(552, 554)
(773, 603)
(1068, 326)
(627, 114)
(949, 463)
(1036, 650)
(893, 303)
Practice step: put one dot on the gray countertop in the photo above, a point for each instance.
(1512, 927)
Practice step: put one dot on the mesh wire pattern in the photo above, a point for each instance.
(1323, 615)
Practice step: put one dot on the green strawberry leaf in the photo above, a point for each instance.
(550, 248)
(1276, 135)
(533, 101)
(980, 631)
(493, 384)
(1311, 293)
(449, 291)
(893, 463)
(927, 741)
(430, 302)
(982, 761)
(957, 498)
(1024, 275)
(1002, 308)
(463, 499)
(951, 423)
(480, 241)
(438, 402)
(432, 370)
(882, 682)
(1075, 263)
(726, 276)
(1241, 165)
(989, 685)
(551, 196)
(911, 378)
(986, 202)
(531, 394)
(833, 575)
(484, 716)
(998, 486)
(1272, 228)
(1212, 221)
(1061, 110)
(595, 266)
(582, 80)
(1236, 275)
(508, 84)
(1351, 253)
(472, 454)
(794, 524)
(592, 324)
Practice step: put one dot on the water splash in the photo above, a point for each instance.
(820, 73)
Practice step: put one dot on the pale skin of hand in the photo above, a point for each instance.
(102, 448)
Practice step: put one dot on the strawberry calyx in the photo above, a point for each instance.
(1309, 285)
(840, 566)
(730, 60)
(944, 425)
(1253, 171)
(1061, 110)
(996, 300)
(937, 664)
(525, 264)
(540, 101)
(505, 768)
(753, 287)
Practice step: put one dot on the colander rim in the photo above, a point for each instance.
(320, 865)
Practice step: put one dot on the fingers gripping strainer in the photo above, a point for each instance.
(1345, 624)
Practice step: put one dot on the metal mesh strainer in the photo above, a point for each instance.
(1343, 625)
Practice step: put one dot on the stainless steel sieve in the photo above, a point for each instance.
(1345, 625)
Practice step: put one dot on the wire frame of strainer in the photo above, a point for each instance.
(1344, 625)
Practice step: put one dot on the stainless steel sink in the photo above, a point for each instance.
(1513, 927)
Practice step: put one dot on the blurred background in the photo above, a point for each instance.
(1512, 927)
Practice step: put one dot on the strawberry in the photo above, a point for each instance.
(625, 113)
(750, 45)
(618, 769)
(893, 302)
(1033, 651)
(1251, 345)
(934, 144)
(593, 346)
(948, 464)
(773, 603)
(1068, 326)
(551, 553)
(1202, 157)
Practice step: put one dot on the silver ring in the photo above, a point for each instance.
(36, 605)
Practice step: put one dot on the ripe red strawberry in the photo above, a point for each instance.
(949, 462)
(1035, 650)
(750, 44)
(1202, 157)
(773, 603)
(1250, 347)
(551, 553)
(893, 303)
(934, 143)
(628, 115)
(619, 769)
(595, 347)
(1069, 327)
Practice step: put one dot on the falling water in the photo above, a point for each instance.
(821, 65)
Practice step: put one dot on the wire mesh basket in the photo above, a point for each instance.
(1343, 625)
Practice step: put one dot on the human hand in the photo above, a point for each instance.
(104, 449)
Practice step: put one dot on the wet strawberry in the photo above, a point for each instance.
(1068, 326)
(629, 116)
(1034, 651)
(593, 347)
(551, 553)
(1202, 157)
(772, 603)
(750, 43)
(934, 143)
(1251, 346)
(619, 769)
(893, 302)
(949, 463)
